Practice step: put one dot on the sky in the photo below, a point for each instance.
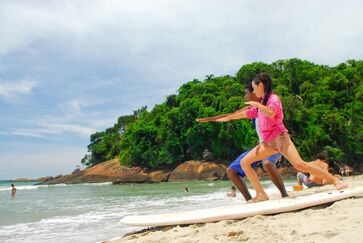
(71, 68)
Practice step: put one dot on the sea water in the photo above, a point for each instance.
(92, 212)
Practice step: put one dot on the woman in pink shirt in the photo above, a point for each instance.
(275, 137)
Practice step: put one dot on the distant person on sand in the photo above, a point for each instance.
(13, 191)
(235, 171)
(311, 181)
(232, 193)
(346, 170)
(274, 135)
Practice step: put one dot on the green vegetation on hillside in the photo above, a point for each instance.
(323, 109)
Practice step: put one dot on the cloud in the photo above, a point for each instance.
(132, 32)
(14, 91)
(54, 130)
(97, 60)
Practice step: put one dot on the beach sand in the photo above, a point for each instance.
(341, 221)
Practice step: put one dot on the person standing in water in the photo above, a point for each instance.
(232, 193)
(13, 191)
(275, 137)
(235, 171)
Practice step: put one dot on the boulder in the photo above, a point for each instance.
(76, 171)
(159, 176)
(196, 170)
(131, 176)
(22, 180)
(108, 171)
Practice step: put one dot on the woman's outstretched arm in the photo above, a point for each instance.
(234, 116)
(216, 118)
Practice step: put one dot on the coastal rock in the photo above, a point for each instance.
(159, 176)
(131, 175)
(112, 171)
(196, 170)
(76, 171)
(22, 180)
(284, 172)
(46, 178)
(287, 171)
(108, 171)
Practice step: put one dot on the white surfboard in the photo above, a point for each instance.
(240, 210)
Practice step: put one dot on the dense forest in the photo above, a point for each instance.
(323, 108)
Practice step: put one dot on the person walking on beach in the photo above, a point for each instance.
(346, 170)
(275, 137)
(235, 171)
(13, 191)
(311, 181)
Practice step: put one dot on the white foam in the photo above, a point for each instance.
(29, 187)
(97, 184)
(35, 187)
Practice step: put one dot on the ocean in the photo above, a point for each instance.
(92, 212)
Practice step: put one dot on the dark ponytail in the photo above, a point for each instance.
(266, 80)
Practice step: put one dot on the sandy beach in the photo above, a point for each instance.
(341, 221)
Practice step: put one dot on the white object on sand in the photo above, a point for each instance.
(241, 210)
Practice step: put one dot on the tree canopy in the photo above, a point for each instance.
(323, 108)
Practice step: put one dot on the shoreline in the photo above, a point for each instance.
(341, 221)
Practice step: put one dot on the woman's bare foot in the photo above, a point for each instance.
(340, 185)
(259, 198)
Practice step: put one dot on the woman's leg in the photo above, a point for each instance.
(299, 177)
(290, 153)
(257, 153)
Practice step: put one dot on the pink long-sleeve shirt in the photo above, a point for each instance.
(270, 127)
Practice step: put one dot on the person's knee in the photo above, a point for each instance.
(231, 172)
(267, 164)
(245, 165)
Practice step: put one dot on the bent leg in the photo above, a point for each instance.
(239, 183)
(291, 154)
(258, 153)
(271, 169)
(299, 177)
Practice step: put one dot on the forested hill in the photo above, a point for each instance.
(323, 109)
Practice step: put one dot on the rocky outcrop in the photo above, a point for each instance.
(196, 170)
(109, 171)
(31, 180)
(132, 175)
(284, 172)
(159, 176)
(22, 180)
(112, 171)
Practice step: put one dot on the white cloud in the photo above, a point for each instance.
(54, 130)
(15, 90)
(167, 35)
